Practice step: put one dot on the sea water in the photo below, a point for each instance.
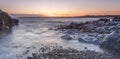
(33, 33)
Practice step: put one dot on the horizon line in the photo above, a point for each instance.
(38, 15)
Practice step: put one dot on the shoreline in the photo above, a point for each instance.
(69, 53)
(103, 32)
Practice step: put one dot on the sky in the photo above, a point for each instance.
(61, 7)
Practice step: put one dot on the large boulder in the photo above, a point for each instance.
(6, 21)
(112, 41)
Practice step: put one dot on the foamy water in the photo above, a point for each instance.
(33, 33)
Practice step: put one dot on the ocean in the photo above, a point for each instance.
(33, 33)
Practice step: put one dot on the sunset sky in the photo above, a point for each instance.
(61, 7)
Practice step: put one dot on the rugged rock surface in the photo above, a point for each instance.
(6, 21)
(105, 32)
(116, 19)
(112, 41)
(70, 53)
(101, 26)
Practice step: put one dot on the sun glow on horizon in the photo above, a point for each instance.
(61, 8)
(62, 13)
(59, 13)
(50, 13)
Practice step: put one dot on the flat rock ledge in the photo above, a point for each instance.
(6, 22)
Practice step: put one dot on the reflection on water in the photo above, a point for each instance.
(33, 33)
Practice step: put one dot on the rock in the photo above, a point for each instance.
(111, 24)
(101, 26)
(71, 53)
(67, 37)
(101, 30)
(85, 48)
(6, 21)
(89, 39)
(29, 57)
(105, 20)
(15, 22)
(116, 19)
(114, 28)
(112, 41)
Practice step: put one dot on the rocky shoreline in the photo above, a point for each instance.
(70, 53)
(6, 22)
(104, 32)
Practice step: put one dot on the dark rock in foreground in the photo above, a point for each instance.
(112, 41)
(6, 21)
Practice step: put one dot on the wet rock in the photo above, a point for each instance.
(116, 19)
(105, 20)
(15, 22)
(67, 37)
(112, 41)
(113, 28)
(29, 57)
(101, 30)
(85, 48)
(111, 24)
(26, 52)
(6, 21)
(89, 39)
(108, 32)
(70, 53)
